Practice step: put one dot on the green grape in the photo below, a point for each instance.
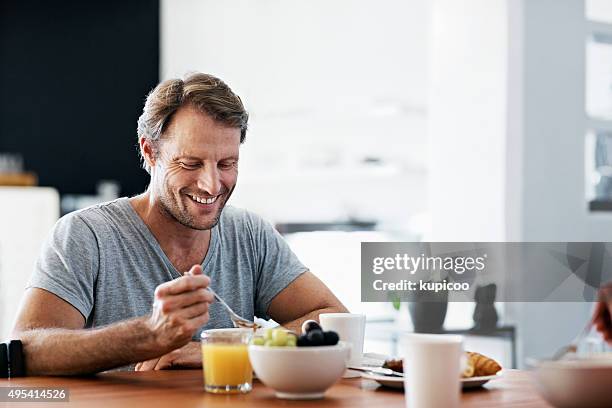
(258, 341)
(279, 336)
(269, 343)
(268, 335)
(291, 341)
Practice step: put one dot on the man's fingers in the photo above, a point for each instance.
(179, 309)
(182, 284)
(166, 360)
(197, 321)
(146, 365)
(196, 270)
(175, 302)
(193, 311)
(188, 356)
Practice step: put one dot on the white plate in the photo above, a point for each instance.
(398, 382)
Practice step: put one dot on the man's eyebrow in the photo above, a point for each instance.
(186, 158)
(230, 158)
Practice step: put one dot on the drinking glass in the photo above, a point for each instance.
(225, 361)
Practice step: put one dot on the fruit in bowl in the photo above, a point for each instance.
(299, 372)
(313, 336)
(275, 338)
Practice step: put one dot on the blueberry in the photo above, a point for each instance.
(330, 338)
(315, 337)
(309, 325)
(302, 341)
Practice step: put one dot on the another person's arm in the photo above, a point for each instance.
(55, 342)
(603, 311)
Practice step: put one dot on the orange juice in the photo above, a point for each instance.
(225, 362)
(226, 365)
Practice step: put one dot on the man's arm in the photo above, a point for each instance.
(303, 299)
(55, 342)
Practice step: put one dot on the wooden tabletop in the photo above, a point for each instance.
(184, 389)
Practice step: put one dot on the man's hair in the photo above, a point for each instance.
(208, 94)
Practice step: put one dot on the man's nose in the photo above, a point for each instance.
(210, 181)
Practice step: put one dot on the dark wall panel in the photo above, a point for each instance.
(73, 78)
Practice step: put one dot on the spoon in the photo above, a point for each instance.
(573, 346)
(238, 321)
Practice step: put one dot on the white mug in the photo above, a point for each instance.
(432, 369)
(350, 328)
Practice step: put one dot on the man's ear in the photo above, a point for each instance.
(147, 151)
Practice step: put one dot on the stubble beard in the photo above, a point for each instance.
(171, 208)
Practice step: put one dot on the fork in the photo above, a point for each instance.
(236, 319)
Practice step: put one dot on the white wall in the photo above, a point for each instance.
(327, 83)
(467, 120)
(509, 120)
(551, 114)
(599, 10)
(26, 217)
(467, 130)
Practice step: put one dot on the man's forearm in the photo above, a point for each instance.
(296, 325)
(83, 351)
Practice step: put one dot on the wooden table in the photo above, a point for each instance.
(184, 389)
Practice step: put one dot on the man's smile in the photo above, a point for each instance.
(204, 200)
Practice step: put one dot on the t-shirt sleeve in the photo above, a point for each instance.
(278, 267)
(68, 263)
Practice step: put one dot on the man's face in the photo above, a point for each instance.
(196, 169)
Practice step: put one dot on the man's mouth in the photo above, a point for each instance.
(203, 200)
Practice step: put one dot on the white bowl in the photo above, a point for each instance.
(585, 383)
(299, 372)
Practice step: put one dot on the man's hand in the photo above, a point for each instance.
(603, 311)
(180, 308)
(55, 342)
(188, 356)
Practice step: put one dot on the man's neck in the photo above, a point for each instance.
(181, 244)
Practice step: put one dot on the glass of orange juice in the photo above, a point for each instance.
(225, 361)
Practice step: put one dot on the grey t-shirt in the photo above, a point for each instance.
(105, 262)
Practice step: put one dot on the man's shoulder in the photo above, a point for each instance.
(97, 216)
(231, 212)
(240, 218)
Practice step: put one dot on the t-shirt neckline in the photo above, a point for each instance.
(144, 229)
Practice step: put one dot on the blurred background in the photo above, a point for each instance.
(387, 120)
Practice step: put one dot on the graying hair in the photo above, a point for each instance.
(205, 92)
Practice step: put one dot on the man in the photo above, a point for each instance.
(110, 288)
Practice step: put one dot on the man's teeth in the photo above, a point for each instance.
(203, 200)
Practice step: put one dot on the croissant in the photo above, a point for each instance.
(479, 365)
(395, 365)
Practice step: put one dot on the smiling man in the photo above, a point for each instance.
(124, 282)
